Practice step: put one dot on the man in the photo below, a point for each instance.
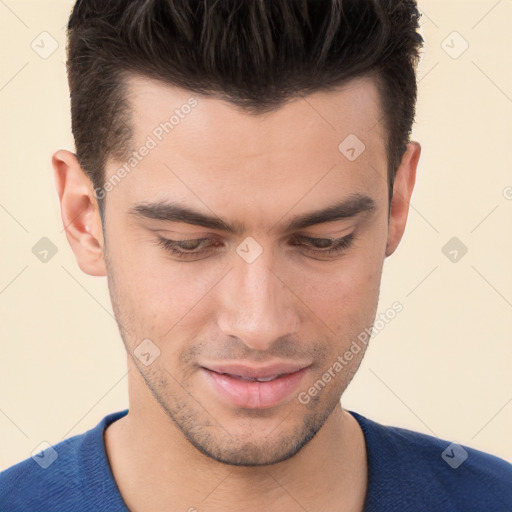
(242, 170)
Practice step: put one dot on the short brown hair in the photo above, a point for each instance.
(256, 54)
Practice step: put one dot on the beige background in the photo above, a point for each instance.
(442, 367)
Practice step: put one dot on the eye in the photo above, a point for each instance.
(326, 246)
(192, 248)
(187, 248)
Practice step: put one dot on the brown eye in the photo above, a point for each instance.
(325, 245)
(321, 243)
(189, 245)
(184, 248)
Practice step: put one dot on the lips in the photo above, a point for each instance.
(254, 387)
(267, 372)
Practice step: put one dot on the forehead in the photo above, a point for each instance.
(297, 151)
(219, 129)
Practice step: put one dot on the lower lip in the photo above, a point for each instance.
(254, 395)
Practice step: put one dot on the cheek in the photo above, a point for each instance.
(154, 294)
(350, 285)
(344, 299)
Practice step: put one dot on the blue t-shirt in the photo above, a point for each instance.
(408, 471)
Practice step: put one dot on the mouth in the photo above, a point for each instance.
(251, 379)
(250, 372)
(255, 379)
(251, 387)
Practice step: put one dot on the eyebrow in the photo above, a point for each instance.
(174, 212)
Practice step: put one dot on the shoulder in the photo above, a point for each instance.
(36, 481)
(407, 465)
(61, 477)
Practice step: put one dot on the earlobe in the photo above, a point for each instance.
(402, 191)
(79, 212)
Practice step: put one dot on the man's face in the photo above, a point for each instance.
(224, 307)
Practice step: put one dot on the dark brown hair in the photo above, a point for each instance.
(256, 54)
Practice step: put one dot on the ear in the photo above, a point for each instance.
(79, 212)
(402, 191)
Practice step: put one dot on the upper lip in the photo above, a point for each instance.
(256, 372)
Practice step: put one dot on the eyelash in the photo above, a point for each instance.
(339, 245)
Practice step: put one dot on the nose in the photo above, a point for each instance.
(257, 304)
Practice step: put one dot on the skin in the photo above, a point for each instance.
(181, 445)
